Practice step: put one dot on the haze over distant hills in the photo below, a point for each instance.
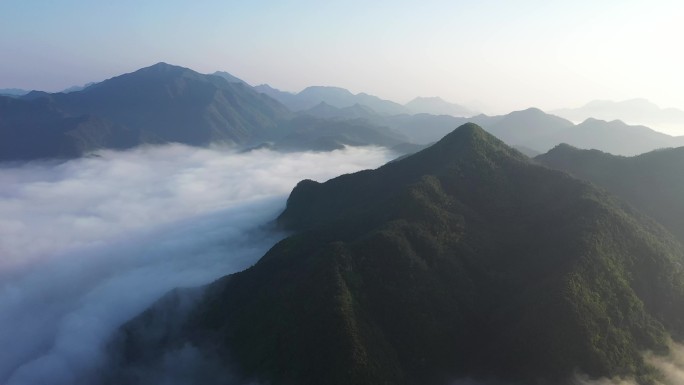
(334, 96)
(13, 91)
(230, 78)
(165, 103)
(464, 260)
(539, 131)
(633, 111)
(438, 106)
(161, 104)
(157, 104)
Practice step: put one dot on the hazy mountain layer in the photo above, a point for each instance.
(157, 104)
(463, 260)
(162, 104)
(334, 96)
(438, 106)
(634, 111)
(165, 103)
(539, 131)
(13, 91)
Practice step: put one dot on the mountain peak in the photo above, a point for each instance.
(162, 66)
(530, 111)
(458, 257)
(468, 131)
(471, 139)
(427, 99)
(563, 147)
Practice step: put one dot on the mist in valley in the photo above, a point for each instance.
(87, 244)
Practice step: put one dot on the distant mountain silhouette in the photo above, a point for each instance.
(229, 78)
(633, 111)
(334, 96)
(158, 104)
(326, 111)
(165, 103)
(615, 137)
(464, 260)
(77, 88)
(37, 129)
(310, 133)
(527, 127)
(538, 131)
(437, 106)
(13, 92)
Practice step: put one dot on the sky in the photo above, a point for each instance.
(499, 55)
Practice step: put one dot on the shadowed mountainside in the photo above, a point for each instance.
(651, 182)
(463, 260)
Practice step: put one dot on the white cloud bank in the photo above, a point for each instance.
(87, 244)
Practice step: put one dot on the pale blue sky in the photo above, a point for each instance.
(506, 54)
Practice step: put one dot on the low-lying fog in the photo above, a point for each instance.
(87, 244)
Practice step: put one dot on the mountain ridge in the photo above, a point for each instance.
(438, 106)
(634, 111)
(462, 260)
(652, 182)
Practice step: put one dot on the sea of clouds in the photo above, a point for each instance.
(87, 244)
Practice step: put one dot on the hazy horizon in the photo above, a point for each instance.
(496, 54)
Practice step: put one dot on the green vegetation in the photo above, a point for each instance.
(464, 259)
(653, 182)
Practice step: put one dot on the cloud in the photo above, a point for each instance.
(89, 243)
(670, 366)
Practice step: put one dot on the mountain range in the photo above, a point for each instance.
(539, 131)
(334, 96)
(634, 111)
(159, 104)
(438, 106)
(13, 91)
(165, 103)
(464, 260)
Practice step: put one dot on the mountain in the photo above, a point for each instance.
(334, 96)
(615, 137)
(324, 110)
(651, 182)
(633, 111)
(158, 104)
(13, 92)
(286, 98)
(311, 133)
(528, 127)
(37, 129)
(77, 88)
(437, 106)
(230, 78)
(464, 260)
(537, 131)
(168, 103)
